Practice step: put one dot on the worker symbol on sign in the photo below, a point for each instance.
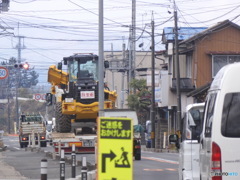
(123, 160)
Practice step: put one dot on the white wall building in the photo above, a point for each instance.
(116, 76)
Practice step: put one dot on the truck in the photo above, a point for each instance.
(49, 129)
(32, 126)
(189, 144)
(128, 113)
(74, 95)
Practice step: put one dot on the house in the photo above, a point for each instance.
(167, 108)
(207, 52)
(201, 56)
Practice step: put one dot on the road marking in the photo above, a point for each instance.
(161, 160)
(153, 169)
(168, 169)
(13, 140)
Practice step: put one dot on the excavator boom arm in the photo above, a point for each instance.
(56, 76)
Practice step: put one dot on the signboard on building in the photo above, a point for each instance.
(158, 94)
(115, 148)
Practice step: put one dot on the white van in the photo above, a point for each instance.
(220, 138)
(189, 142)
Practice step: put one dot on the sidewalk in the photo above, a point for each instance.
(8, 172)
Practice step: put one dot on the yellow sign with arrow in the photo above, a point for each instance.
(115, 149)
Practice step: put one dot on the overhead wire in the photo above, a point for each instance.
(94, 13)
(74, 30)
(215, 18)
(22, 2)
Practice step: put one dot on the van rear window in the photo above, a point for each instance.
(209, 114)
(230, 126)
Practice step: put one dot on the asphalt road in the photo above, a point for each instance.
(153, 166)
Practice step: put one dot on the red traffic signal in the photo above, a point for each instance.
(24, 66)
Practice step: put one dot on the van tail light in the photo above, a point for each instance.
(216, 169)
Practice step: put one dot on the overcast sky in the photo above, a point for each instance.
(54, 29)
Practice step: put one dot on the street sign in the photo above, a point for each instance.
(3, 72)
(39, 97)
(115, 148)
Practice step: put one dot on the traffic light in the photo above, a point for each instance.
(5, 5)
(26, 66)
(22, 66)
(18, 66)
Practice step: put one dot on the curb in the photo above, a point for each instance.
(3, 148)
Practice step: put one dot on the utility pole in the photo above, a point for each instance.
(132, 49)
(177, 69)
(100, 61)
(130, 60)
(8, 106)
(152, 115)
(123, 73)
(133, 37)
(19, 47)
(113, 84)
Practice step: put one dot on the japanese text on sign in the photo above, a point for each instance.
(87, 94)
(115, 129)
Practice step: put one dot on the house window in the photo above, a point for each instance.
(230, 126)
(209, 112)
(221, 60)
(189, 66)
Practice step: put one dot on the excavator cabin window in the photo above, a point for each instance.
(79, 70)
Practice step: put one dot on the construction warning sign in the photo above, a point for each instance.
(115, 148)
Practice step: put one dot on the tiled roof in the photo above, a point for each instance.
(183, 32)
(211, 29)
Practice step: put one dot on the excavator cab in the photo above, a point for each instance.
(82, 72)
(82, 67)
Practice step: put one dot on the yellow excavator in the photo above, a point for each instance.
(74, 94)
